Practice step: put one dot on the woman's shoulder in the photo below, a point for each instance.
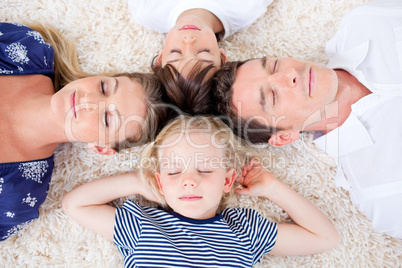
(23, 51)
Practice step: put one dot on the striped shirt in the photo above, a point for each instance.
(150, 237)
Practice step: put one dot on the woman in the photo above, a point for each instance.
(108, 113)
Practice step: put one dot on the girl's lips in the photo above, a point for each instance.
(189, 27)
(190, 198)
(72, 104)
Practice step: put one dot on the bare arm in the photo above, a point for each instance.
(87, 204)
(312, 232)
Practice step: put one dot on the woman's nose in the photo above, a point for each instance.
(87, 102)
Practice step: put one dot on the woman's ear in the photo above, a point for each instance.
(103, 150)
(281, 138)
(157, 177)
(229, 180)
(158, 61)
(224, 58)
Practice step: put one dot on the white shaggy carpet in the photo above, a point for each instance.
(108, 40)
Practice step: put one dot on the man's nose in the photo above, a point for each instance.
(288, 79)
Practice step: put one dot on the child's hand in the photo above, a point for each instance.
(256, 181)
(145, 190)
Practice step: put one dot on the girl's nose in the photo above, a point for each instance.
(189, 182)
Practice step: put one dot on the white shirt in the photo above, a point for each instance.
(161, 16)
(368, 145)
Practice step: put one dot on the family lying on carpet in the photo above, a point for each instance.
(264, 100)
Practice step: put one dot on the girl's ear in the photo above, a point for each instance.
(280, 139)
(158, 62)
(157, 176)
(229, 180)
(223, 55)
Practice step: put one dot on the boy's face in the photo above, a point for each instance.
(192, 175)
(188, 42)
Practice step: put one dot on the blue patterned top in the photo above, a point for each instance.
(23, 185)
(23, 51)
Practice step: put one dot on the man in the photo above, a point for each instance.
(354, 105)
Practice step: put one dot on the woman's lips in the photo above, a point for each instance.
(311, 82)
(189, 27)
(190, 198)
(72, 104)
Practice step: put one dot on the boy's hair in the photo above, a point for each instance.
(247, 128)
(191, 94)
(236, 155)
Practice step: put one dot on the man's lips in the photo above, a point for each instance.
(190, 198)
(72, 104)
(189, 27)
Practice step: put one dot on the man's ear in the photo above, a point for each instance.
(229, 180)
(101, 149)
(158, 61)
(157, 177)
(280, 139)
(223, 55)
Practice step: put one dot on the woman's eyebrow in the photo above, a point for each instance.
(116, 85)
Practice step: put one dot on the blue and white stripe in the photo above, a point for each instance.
(150, 237)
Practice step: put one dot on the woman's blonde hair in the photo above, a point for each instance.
(67, 69)
(236, 155)
(66, 64)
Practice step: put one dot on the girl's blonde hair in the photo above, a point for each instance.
(236, 155)
(67, 69)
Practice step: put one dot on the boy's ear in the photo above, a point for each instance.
(280, 139)
(157, 176)
(229, 180)
(158, 61)
(223, 55)
(103, 150)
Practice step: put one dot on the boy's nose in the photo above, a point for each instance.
(189, 39)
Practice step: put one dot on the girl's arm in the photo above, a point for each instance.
(312, 232)
(87, 204)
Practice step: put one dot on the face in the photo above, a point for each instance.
(188, 42)
(100, 109)
(283, 93)
(192, 177)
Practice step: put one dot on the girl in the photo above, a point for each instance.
(190, 167)
(191, 53)
(97, 110)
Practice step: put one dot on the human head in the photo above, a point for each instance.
(110, 112)
(186, 137)
(189, 41)
(274, 99)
